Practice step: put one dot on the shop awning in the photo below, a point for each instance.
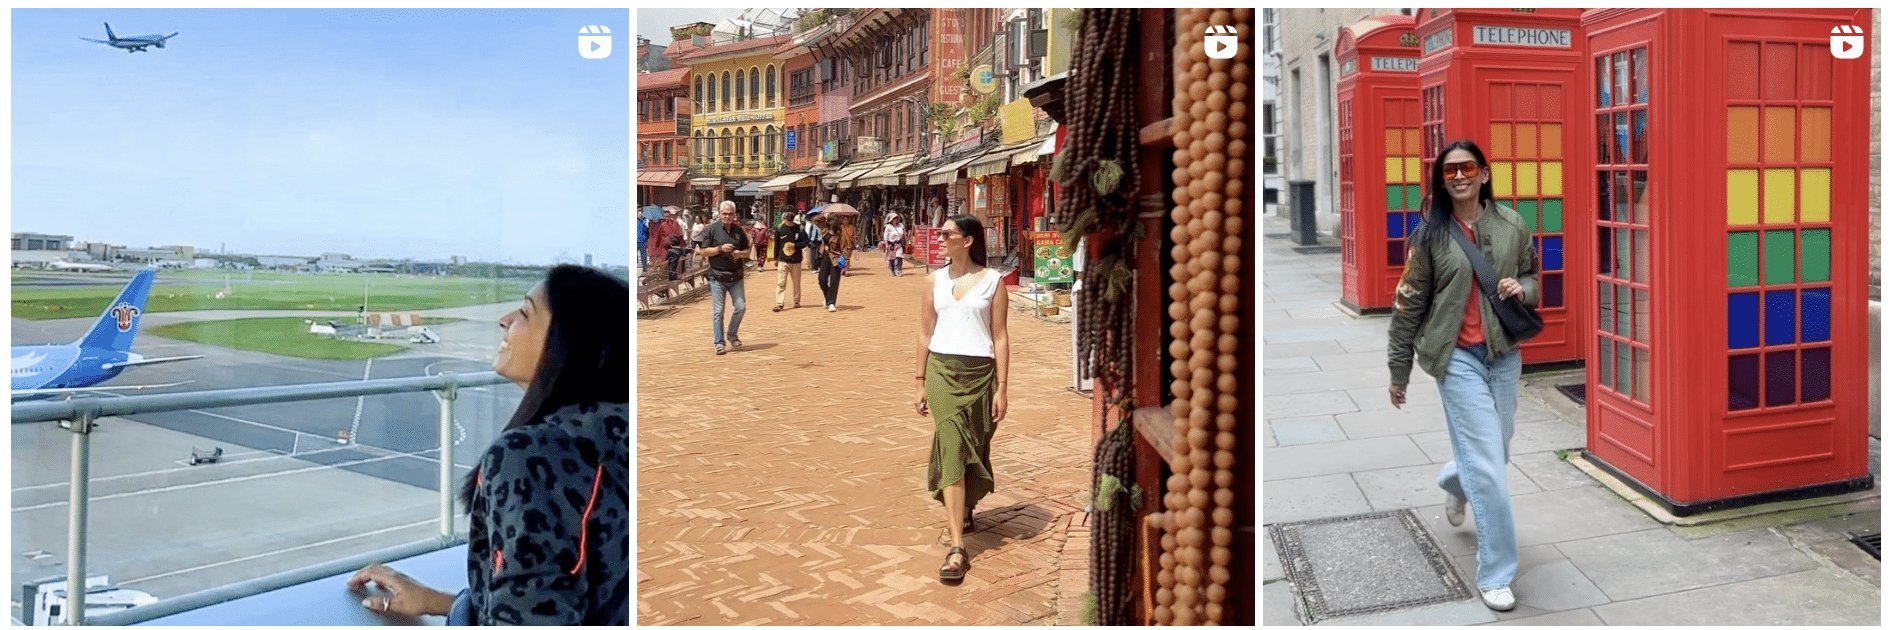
(784, 182)
(998, 160)
(1032, 153)
(849, 175)
(663, 179)
(947, 174)
(885, 174)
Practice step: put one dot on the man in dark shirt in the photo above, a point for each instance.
(726, 245)
(790, 241)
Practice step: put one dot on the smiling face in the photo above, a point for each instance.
(1463, 175)
(524, 338)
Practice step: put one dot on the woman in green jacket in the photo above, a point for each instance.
(1440, 316)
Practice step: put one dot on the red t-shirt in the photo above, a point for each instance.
(1471, 333)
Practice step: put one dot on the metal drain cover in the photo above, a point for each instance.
(1870, 543)
(1364, 564)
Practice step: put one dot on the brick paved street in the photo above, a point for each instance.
(785, 483)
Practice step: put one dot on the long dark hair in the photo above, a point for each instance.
(587, 357)
(970, 227)
(1439, 203)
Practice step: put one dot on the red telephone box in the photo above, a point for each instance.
(1729, 360)
(1512, 81)
(1379, 134)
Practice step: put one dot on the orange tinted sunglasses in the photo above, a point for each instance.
(1468, 169)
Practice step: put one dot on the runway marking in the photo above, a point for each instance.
(279, 551)
(280, 473)
(356, 424)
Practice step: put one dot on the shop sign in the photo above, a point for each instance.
(931, 253)
(737, 118)
(1348, 67)
(1051, 259)
(1520, 36)
(982, 78)
(1437, 41)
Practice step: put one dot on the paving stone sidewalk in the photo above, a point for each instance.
(785, 483)
(1335, 446)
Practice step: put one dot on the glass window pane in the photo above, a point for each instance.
(1778, 134)
(1621, 380)
(1641, 375)
(1606, 309)
(1526, 178)
(1743, 188)
(1640, 198)
(1621, 195)
(1815, 255)
(1641, 256)
(1552, 256)
(1745, 324)
(1641, 306)
(1620, 138)
(1815, 134)
(1604, 84)
(1604, 138)
(1605, 361)
(1396, 223)
(1526, 145)
(1621, 78)
(1815, 315)
(1815, 195)
(1502, 179)
(1815, 374)
(1744, 133)
(1779, 378)
(1778, 318)
(1745, 381)
(1778, 251)
(1502, 141)
(1551, 290)
(1529, 213)
(1413, 221)
(1552, 140)
(1624, 310)
(1397, 253)
(1552, 178)
(1413, 196)
(1604, 197)
(1743, 62)
(1552, 215)
(1640, 141)
(1607, 262)
(1743, 260)
(1640, 77)
(1395, 200)
(1621, 238)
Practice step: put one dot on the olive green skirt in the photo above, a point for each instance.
(960, 399)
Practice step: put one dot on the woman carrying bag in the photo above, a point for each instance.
(1470, 272)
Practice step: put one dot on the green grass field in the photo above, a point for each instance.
(287, 336)
(198, 291)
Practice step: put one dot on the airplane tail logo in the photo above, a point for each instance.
(1846, 42)
(125, 315)
(118, 325)
(597, 44)
(1219, 41)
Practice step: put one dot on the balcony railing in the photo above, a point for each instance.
(82, 412)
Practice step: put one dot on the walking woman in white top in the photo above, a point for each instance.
(963, 356)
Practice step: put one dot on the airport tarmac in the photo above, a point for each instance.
(288, 493)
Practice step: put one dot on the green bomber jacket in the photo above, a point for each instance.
(1432, 296)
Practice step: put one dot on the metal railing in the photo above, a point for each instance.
(82, 412)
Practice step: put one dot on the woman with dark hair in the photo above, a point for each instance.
(964, 353)
(828, 250)
(549, 504)
(1440, 315)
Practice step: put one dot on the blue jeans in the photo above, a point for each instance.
(717, 291)
(1480, 400)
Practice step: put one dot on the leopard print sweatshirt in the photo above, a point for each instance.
(549, 541)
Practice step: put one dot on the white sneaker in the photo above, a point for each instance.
(1500, 599)
(831, 308)
(1456, 510)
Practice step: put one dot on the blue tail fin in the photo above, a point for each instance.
(108, 32)
(118, 325)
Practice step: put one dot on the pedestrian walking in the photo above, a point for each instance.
(790, 243)
(759, 242)
(828, 259)
(548, 506)
(963, 355)
(894, 240)
(726, 245)
(1441, 317)
(662, 232)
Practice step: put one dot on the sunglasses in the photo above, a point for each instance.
(1468, 169)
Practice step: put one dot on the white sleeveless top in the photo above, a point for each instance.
(964, 326)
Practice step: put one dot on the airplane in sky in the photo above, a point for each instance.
(102, 353)
(130, 44)
(80, 267)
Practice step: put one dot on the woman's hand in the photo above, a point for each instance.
(397, 593)
(999, 404)
(1397, 394)
(1509, 287)
(920, 399)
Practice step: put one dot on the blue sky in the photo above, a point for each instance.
(378, 133)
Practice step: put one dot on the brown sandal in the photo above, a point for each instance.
(959, 570)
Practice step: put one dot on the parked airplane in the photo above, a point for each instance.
(130, 44)
(101, 354)
(80, 267)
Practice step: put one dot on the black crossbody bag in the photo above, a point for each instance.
(1519, 319)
